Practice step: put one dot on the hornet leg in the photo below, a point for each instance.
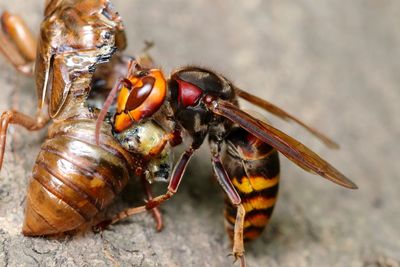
(156, 211)
(176, 179)
(226, 184)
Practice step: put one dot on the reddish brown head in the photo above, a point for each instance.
(140, 97)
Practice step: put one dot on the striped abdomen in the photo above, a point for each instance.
(74, 179)
(253, 167)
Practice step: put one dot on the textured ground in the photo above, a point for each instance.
(333, 63)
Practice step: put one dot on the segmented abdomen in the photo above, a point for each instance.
(74, 179)
(253, 167)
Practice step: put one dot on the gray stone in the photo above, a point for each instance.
(335, 64)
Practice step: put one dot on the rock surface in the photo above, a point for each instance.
(335, 64)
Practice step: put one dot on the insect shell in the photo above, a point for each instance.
(205, 103)
(74, 179)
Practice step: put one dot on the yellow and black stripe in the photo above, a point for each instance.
(254, 170)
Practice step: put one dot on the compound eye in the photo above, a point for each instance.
(139, 94)
(144, 97)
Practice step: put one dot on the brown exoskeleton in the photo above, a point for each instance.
(73, 179)
(204, 104)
